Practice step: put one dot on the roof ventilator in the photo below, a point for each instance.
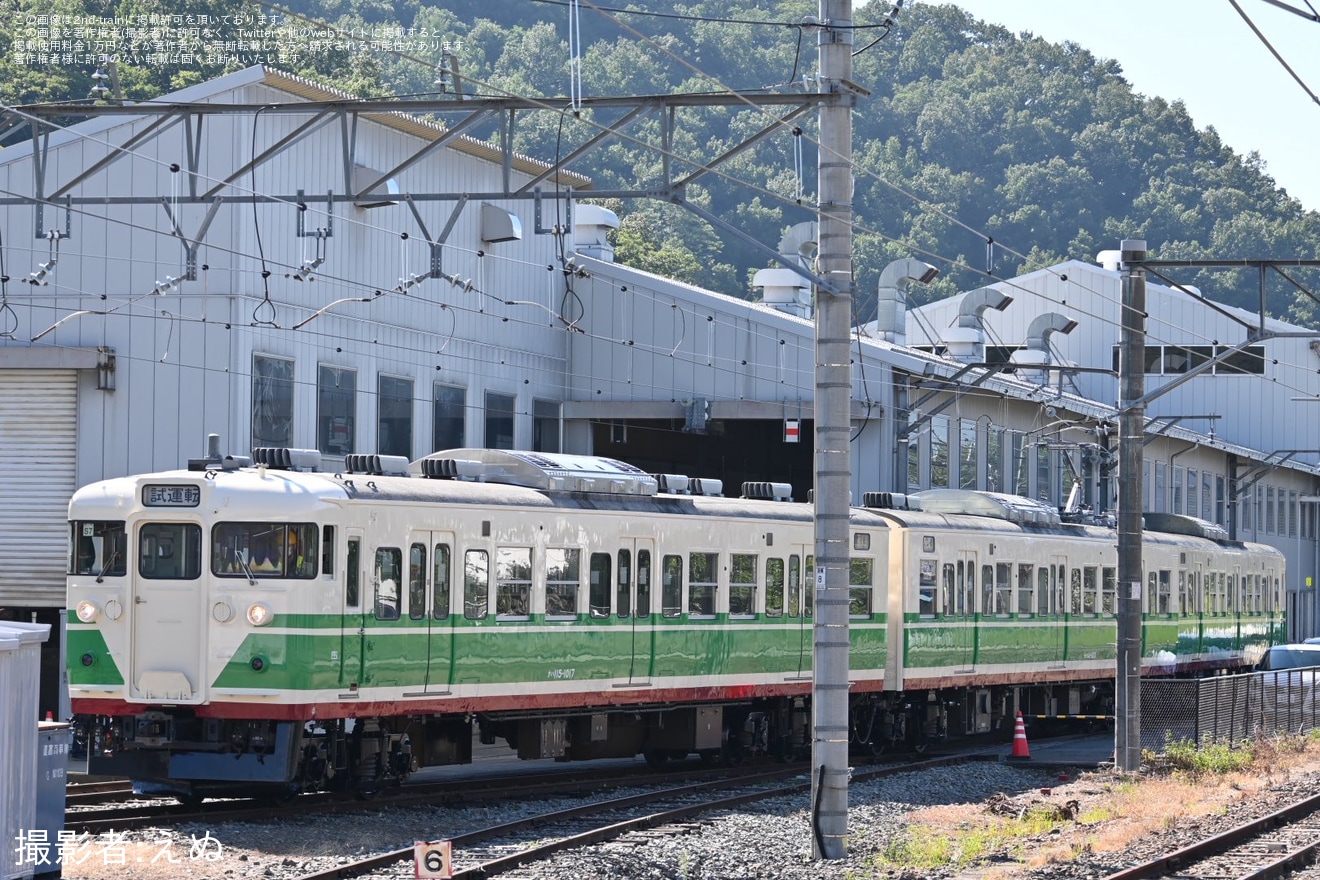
(287, 459)
(707, 486)
(376, 465)
(888, 500)
(771, 491)
(451, 469)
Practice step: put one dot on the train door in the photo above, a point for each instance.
(964, 612)
(634, 601)
(353, 630)
(430, 598)
(1056, 636)
(168, 648)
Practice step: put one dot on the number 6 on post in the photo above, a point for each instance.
(431, 859)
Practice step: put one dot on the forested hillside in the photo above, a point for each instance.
(970, 133)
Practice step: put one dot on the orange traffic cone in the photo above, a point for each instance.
(1021, 751)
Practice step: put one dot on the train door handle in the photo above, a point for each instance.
(138, 600)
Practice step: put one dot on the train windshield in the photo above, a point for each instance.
(282, 550)
(98, 547)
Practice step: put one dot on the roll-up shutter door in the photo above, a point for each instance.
(38, 435)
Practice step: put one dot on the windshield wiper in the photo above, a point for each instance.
(247, 571)
(100, 575)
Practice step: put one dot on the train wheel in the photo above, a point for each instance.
(655, 757)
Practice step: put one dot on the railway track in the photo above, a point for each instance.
(1270, 846)
(520, 786)
(499, 848)
(79, 793)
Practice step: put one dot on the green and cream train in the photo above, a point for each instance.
(235, 625)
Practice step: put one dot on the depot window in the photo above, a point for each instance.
(272, 401)
(336, 413)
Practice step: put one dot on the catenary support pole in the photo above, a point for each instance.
(833, 466)
(1131, 433)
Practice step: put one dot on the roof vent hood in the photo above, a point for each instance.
(499, 225)
(592, 225)
(891, 299)
(783, 288)
(372, 189)
(1038, 341)
(966, 340)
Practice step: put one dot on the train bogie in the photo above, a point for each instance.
(264, 625)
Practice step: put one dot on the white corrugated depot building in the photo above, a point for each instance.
(116, 361)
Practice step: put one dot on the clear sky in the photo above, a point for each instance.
(1204, 53)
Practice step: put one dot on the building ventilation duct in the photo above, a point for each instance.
(499, 225)
(386, 192)
(966, 340)
(1038, 339)
(891, 299)
(783, 288)
(592, 225)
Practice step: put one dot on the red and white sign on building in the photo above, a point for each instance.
(792, 430)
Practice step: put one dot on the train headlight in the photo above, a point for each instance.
(259, 615)
(113, 609)
(87, 611)
(222, 611)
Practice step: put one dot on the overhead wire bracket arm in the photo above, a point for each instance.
(436, 245)
(779, 258)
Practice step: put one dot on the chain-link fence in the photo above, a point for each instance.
(1229, 708)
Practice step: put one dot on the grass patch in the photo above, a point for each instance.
(929, 847)
(1214, 759)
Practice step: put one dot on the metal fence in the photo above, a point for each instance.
(1229, 708)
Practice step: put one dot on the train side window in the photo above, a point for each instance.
(950, 591)
(988, 589)
(417, 582)
(623, 596)
(742, 584)
(794, 585)
(1025, 597)
(562, 576)
(774, 587)
(926, 588)
(1090, 589)
(476, 584)
(809, 591)
(328, 550)
(99, 548)
(1184, 595)
(1075, 591)
(1043, 590)
(643, 608)
(599, 593)
(671, 586)
(170, 551)
(703, 572)
(352, 596)
(1165, 589)
(1003, 588)
(513, 582)
(440, 583)
(1231, 602)
(1246, 593)
(1108, 590)
(859, 586)
(1058, 583)
(389, 567)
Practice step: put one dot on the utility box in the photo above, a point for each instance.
(20, 674)
(54, 739)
